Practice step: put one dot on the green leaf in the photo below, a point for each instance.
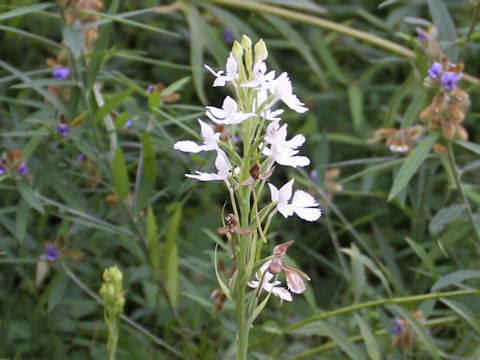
(56, 290)
(24, 10)
(29, 195)
(355, 99)
(455, 278)
(148, 173)
(196, 50)
(414, 108)
(469, 146)
(154, 100)
(446, 28)
(152, 241)
(321, 328)
(443, 217)
(412, 163)
(464, 312)
(176, 85)
(43, 82)
(120, 175)
(354, 252)
(73, 39)
(21, 219)
(358, 278)
(170, 257)
(111, 104)
(368, 337)
(427, 261)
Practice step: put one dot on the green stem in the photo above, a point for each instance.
(357, 307)
(357, 338)
(453, 168)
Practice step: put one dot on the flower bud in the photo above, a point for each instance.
(246, 42)
(261, 52)
(237, 50)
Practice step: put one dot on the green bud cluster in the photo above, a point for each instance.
(111, 292)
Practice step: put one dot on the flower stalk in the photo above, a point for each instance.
(250, 143)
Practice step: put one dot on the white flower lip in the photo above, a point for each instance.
(281, 87)
(228, 114)
(303, 204)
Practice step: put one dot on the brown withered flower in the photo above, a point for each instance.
(398, 140)
(232, 227)
(275, 266)
(404, 336)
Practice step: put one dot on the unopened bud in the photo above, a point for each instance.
(246, 42)
(261, 52)
(237, 50)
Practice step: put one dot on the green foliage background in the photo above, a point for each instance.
(161, 230)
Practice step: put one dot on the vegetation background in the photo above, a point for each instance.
(375, 255)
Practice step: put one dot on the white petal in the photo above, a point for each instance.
(308, 214)
(216, 112)
(205, 176)
(285, 192)
(219, 81)
(206, 130)
(187, 146)
(282, 293)
(288, 159)
(295, 104)
(303, 199)
(285, 209)
(296, 141)
(305, 206)
(294, 282)
(232, 66)
(273, 192)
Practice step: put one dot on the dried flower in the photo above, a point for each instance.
(398, 140)
(232, 227)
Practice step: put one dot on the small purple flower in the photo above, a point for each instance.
(23, 169)
(81, 157)
(314, 175)
(398, 326)
(227, 34)
(150, 89)
(449, 80)
(52, 252)
(435, 70)
(2, 170)
(128, 124)
(63, 130)
(421, 35)
(61, 73)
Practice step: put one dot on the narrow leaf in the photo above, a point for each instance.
(120, 175)
(446, 28)
(443, 217)
(29, 195)
(355, 99)
(24, 10)
(427, 261)
(455, 278)
(111, 104)
(412, 163)
(152, 240)
(170, 257)
(464, 312)
(368, 337)
(148, 173)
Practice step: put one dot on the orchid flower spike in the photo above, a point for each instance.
(303, 204)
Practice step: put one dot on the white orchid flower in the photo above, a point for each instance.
(286, 156)
(209, 137)
(228, 114)
(223, 168)
(259, 100)
(303, 204)
(262, 79)
(230, 76)
(277, 134)
(281, 87)
(268, 286)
